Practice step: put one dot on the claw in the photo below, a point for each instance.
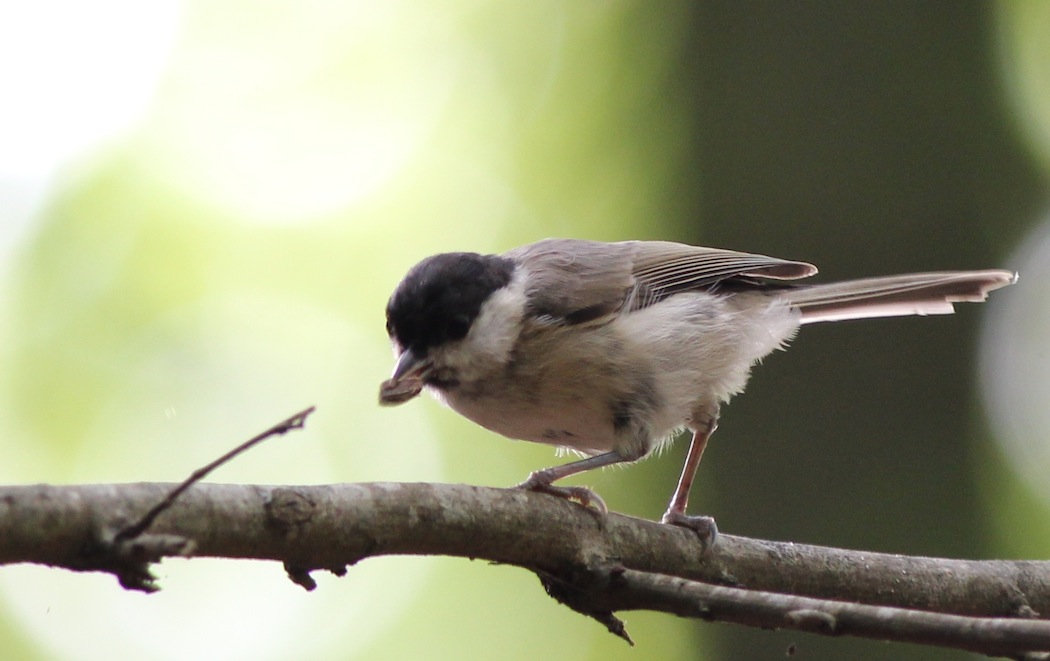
(703, 526)
(582, 495)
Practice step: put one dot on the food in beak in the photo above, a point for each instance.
(399, 390)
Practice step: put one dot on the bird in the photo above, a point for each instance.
(610, 349)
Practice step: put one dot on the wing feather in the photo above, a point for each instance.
(663, 268)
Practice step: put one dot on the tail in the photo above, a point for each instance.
(895, 295)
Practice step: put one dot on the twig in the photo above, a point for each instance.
(625, 589)
(288, 424)
(129, 551)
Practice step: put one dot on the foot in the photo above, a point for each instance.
(703, 526)
(582, 495)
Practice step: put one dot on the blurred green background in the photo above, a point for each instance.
(204, 205)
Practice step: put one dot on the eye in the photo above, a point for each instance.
(389, 327)
(458, 327)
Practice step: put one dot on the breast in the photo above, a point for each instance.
(551, 416)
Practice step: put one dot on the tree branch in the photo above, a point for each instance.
(625, 589)
(595, 564)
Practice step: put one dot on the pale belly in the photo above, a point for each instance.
(568, 421)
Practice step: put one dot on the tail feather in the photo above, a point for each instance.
(896, 295)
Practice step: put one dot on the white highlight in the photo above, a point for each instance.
(75, 74)
(1015, 361)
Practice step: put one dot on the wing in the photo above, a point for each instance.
(575, 281)
(663, 268)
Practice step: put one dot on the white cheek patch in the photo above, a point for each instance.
(499, 322)
(492, 336)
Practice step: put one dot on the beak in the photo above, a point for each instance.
(410, 365)
(407, 380)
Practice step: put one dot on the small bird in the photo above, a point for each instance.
(609, 349)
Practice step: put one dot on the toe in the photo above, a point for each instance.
(582, 495)
(703, 526)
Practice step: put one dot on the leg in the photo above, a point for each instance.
(541, 480)
(704, 526)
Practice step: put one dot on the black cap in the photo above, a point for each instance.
(439, 298)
